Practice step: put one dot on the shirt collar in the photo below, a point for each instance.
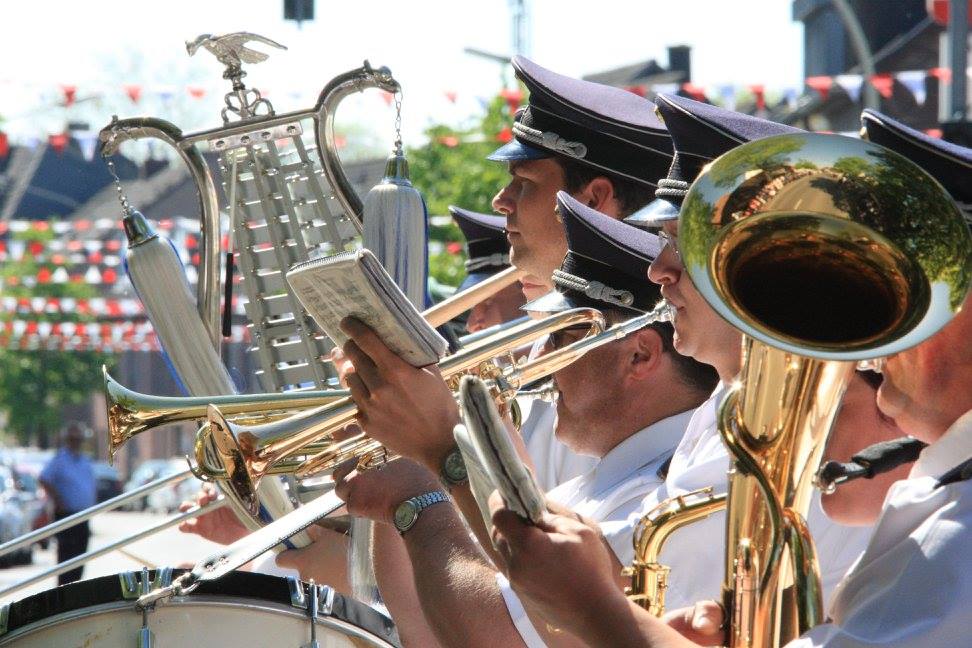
(954, 447)
(638, 450)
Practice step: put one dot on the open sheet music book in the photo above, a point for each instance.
(354, 284)
(492, 462)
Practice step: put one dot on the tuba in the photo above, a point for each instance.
(649, 578)
(823, 251)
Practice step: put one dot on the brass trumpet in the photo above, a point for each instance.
(131, 412)
(250, 453)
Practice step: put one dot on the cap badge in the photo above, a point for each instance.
(550, 140)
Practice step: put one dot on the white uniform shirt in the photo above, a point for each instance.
(913, 584)
(553, 462)
(695, 553)
(608, 494)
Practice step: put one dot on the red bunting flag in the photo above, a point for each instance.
(942, 74)
(387, 97)
(636, 89)
(450, 141)
(821, 84)
(451, 95)
(759, 91)
(883, 83)
(58, 142)
(4, 145)
(513, 98)
(694, 91)
(504, 135)
(196, 92)
(69, 94)
(134, 92)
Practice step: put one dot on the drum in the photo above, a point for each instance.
(241, 610)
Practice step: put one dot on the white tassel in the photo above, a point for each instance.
(160, 281)
(396, 229)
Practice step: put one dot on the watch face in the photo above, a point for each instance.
(405, 515)
(455, 467)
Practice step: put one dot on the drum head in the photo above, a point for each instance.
(257, 605)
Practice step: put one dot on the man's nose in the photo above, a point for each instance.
(503, 202)
(666, 268)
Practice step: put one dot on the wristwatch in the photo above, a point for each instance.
(407, 513)
(453, 470)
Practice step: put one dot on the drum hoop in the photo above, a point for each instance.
(203, 600)
(104, 592)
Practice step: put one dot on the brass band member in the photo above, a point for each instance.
(626, 403)
(911, 584)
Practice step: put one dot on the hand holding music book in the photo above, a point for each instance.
(354, 284)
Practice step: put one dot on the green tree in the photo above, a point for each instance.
(36, 385)
(452, 169)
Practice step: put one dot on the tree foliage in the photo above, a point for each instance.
(452, 169)
(36, 385)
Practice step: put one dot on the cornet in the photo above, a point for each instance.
(131, 412)
(249, 453)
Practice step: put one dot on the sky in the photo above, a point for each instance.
(101, 45)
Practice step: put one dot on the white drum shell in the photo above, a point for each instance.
(212, 621)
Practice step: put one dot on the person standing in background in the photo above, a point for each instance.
(69, 481)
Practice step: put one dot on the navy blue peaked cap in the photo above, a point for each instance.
(517, 150)
(606, 264)
(948, 163)
(700, 133)
(487, 248)
(607, 128)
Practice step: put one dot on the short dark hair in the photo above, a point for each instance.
(693, 374)
(631, 195)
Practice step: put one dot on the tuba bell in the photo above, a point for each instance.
(823, 251)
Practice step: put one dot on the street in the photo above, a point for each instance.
(167, 548)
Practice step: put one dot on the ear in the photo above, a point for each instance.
(599, 194)
(646, 354)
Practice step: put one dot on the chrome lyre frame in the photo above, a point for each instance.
(323, 113)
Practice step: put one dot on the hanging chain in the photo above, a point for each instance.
(122, 197)
(398, 121)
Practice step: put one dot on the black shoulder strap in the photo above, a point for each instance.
(961, 472)
(663, 469)
(872, 460)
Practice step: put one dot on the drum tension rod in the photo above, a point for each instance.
(145, 638)
(317, 600)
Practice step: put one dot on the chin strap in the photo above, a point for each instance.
(869, 462)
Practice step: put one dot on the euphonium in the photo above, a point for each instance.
(131, 412)
(824, 251)
(649, 578)
(249, 453)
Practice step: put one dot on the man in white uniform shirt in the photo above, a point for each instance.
(626, 403)
(912, 584)
(701, 133)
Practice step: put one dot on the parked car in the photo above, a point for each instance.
(27, 464)
(167, 499)
(108, 481)
(147, 471)
(13, 521)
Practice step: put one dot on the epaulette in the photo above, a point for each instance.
(961, 472)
